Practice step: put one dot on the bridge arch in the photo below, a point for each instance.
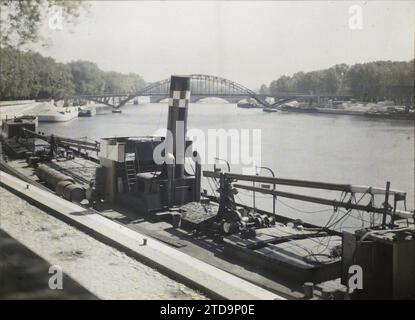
(200, 85)
(197, 99)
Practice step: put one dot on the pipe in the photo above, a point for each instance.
(386, 204)
(179, 97)
(198, 174)
(405, 214)
(170, 168)
(306, 198)
(304, 183)
(51, 176)
(94, 146)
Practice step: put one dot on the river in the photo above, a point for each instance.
(331, 148)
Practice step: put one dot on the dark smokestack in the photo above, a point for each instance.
(179, 97)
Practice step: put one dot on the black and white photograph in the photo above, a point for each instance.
(207, 154)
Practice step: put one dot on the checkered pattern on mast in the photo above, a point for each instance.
(179, 99)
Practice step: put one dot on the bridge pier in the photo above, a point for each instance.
(157, 99)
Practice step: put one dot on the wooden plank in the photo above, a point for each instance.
(196, 273)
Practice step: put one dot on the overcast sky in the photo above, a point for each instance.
(248, 42)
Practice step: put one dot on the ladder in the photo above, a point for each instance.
(130, 171)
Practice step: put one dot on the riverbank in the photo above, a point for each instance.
(11, 109)
(47, 111)
(104, 271)
(380, 110)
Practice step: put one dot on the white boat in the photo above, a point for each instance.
(55, 114)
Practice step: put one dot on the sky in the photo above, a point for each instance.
(250, 42)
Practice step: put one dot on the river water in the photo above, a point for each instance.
(330, 148)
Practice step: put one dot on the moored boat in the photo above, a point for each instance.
(248, 104)
(286, 251)
(270, 109)
(55, 114)
(86, 112)
(289, 108)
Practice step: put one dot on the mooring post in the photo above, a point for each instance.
(386, 204)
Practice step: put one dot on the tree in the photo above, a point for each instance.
(29, 75)
(368, 81)
(21, 19)
(340, 72)
(263, 89)
(87, 77)
(121, 83)
(382, 80)
(280, 85)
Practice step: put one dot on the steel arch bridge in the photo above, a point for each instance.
(201, 86)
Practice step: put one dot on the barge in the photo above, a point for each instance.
(395, 115)
(125, 182)
(249, 104)
(86, 112)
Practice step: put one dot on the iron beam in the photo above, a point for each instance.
(304, 183)
(301, 197)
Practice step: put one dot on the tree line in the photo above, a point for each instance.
(371, 81)
(29, 75)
